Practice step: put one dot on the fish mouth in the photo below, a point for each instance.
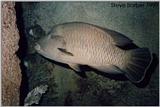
(37, 47)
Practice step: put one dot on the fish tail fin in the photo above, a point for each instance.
(138, 62)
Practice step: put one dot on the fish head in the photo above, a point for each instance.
(48, 46)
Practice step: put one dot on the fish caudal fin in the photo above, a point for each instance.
(137, 64)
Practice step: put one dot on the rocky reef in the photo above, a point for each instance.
(11, 72)
(65, 87)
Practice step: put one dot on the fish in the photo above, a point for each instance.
(80, 43)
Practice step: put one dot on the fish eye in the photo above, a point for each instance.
(37, 47)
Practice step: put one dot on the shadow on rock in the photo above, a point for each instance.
(22, 52)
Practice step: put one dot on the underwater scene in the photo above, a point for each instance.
(49, 80)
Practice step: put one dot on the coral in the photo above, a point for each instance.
(35, 95)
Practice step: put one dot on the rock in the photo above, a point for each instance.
(11, 73)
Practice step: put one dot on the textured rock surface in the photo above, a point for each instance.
(11, 73)
(66, 87)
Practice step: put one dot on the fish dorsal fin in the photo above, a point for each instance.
(118, 38)
(64, 51)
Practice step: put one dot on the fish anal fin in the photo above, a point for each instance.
(111, 69)
(75, 67)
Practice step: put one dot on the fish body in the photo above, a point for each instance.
(78, 43)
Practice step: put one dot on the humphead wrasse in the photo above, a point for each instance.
(78, 43)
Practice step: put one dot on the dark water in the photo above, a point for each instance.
(138, 21)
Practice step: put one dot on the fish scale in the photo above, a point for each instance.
(78, 43)
(94, 53)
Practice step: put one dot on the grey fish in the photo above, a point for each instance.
(78, 43)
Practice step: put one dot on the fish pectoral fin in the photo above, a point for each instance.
(108, 69)
(118, 38)
(64, 51)
(75, 67)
